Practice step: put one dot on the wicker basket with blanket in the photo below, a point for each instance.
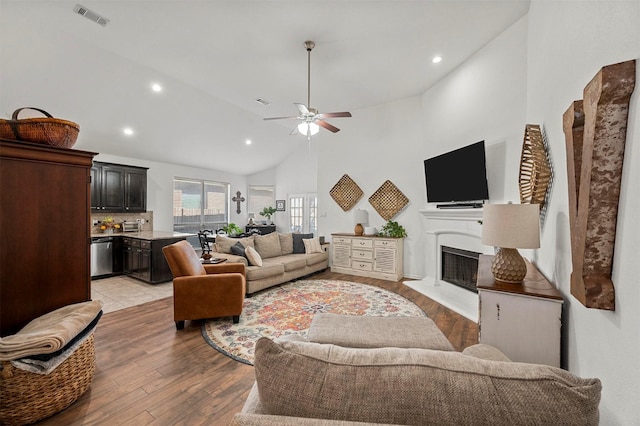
(49, 364)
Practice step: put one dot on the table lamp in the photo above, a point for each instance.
(510, 227)
(360, 218)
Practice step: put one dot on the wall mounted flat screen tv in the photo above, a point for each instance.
(458, 177)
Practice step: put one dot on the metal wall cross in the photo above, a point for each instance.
(238, 199)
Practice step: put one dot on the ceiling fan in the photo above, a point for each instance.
(310, 119)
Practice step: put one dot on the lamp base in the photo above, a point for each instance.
(508, 266)
(359, 229)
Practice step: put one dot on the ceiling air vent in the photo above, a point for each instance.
(81, 10)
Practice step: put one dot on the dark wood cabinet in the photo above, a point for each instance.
(117, 188)
(264, 229)
(44, 231)
(144, 260)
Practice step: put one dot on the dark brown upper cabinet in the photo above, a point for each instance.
(117, 188)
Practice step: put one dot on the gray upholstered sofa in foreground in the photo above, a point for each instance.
(282, 258)
(392, 370)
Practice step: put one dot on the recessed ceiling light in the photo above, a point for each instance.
(436, 59)
(127, 131)
(248, 142)
(156, 87)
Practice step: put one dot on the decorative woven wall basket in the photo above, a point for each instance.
(50, 131)
(535, 170)
(388, 200)
(346, 193)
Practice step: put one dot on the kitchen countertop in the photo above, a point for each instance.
(145, 235)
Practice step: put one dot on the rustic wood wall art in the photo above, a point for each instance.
(388, 200)
(346, 193)
(535, 170)
(595, 133)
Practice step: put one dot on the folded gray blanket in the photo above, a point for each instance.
(50, 332)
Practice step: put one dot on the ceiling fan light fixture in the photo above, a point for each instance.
(305, 128)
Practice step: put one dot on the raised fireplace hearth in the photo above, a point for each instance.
(459, 267)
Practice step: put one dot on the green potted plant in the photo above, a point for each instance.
(392, 229)
(268, 212)
(232, 229)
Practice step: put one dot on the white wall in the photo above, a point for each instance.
(376, 144)
(160, 187)
(568, 43)
(296, 175)
(391, 141)
(483, 99)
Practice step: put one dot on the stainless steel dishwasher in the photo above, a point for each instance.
(101, 256)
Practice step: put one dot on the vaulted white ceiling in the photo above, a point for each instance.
(215, 58)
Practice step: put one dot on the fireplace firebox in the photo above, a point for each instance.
(459, 267)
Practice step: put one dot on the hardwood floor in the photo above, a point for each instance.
(149, 373)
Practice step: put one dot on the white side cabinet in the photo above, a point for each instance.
(367, 256)
(522, 320)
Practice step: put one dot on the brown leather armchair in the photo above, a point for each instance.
(203, 291)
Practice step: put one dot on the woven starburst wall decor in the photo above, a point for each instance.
(346, 193)
(388, 200)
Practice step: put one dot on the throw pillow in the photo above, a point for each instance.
(417, 386)
(238, 249)
(253, 257)
(268, 245)
(286, 243)
(298, 244)
(312, 245)
(224, 243)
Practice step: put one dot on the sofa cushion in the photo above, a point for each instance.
(267, 270)
(268, 245)
(238, 249)
(315, 258)
(253, 256)
(298, 244)
(286, 243)
(486, 352)
(223, 243)
(417, 387)
(312, 245)
(292, 262)
(377, 332)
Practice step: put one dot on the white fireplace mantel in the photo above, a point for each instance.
(453, 214)
(458, 228)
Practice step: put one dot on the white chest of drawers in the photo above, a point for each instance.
(367, 256)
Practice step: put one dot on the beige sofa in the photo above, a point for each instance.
(417, 379)
(283, 258)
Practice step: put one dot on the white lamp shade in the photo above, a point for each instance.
(308, 128)
(360, 217)
(511, 225)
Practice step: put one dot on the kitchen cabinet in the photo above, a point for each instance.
(522, 320)
(44, 223)
(116, 188)
(143, 259)
(368, 256)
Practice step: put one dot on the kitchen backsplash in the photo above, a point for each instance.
(147, 217)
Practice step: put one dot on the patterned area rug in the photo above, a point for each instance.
(289, 309)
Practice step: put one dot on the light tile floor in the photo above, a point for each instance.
(122, 292)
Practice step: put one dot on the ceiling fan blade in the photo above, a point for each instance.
(280, 118)
(302, 108)
(334, 114)
(294, 131)
(327, 126)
